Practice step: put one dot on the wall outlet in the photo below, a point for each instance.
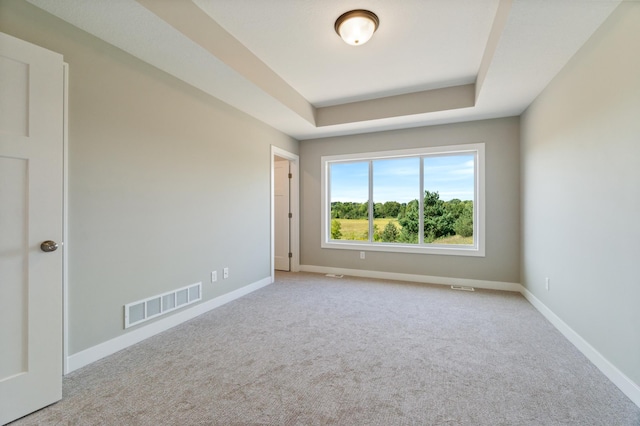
(214, 276)
(546, 283)
(225, 273)
(362, 255)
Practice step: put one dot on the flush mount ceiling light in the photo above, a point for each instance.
(356, 26)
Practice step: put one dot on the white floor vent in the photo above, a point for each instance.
(462, 288)
(143, 310)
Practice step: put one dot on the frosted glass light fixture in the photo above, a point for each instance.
(357, 26)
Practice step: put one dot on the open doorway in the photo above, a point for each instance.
(285, 209)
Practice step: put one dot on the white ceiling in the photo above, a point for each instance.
(419, 44)
(282, 62)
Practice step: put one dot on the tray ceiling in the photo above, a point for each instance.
(430, 62)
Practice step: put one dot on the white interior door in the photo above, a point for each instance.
(31, 172)
(281, 212)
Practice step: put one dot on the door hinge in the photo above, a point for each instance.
(290, 255)
(290, 215)
(290, 175)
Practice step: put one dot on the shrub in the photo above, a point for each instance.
(464, 225)
(335, 230)
(390, 233)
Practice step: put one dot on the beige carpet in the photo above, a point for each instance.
(312, 350)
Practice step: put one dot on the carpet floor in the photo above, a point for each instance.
(313, 350)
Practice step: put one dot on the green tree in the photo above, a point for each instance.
(391, 209)
(455, 207)
(376, 233)
(463, 226)
(378, 210)
(336, 210)
(437, 221)
(402, 210)
(390, 233)
(336, 234)
(410, 222)
(349, 210)
(362, 210)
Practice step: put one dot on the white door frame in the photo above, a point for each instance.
(294, 196)
(65, 226)
(282, 219)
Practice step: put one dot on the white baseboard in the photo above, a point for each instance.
(87, 356)
(490, 285)
(625, 384)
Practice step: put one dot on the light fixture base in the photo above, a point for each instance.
(356, 27)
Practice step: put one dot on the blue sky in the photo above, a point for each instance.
(398, 179)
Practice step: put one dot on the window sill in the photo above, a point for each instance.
(447, 250)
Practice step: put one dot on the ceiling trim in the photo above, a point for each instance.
(427, 101)
(499, 24)
(186, 17)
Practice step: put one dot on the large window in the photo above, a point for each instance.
(427, 200)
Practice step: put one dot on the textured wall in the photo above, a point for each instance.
(502, 201)
(166, 183)
(580, 186)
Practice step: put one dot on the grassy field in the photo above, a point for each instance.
(357, 229)
(454, 239)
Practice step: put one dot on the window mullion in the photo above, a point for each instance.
(370, 201)
(327, 200)
(477, 200)
(421, 204)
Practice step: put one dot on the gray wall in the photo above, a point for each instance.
(166, 183)
(502, 200)
(581, 188)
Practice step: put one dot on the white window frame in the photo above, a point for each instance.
(478, 247)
